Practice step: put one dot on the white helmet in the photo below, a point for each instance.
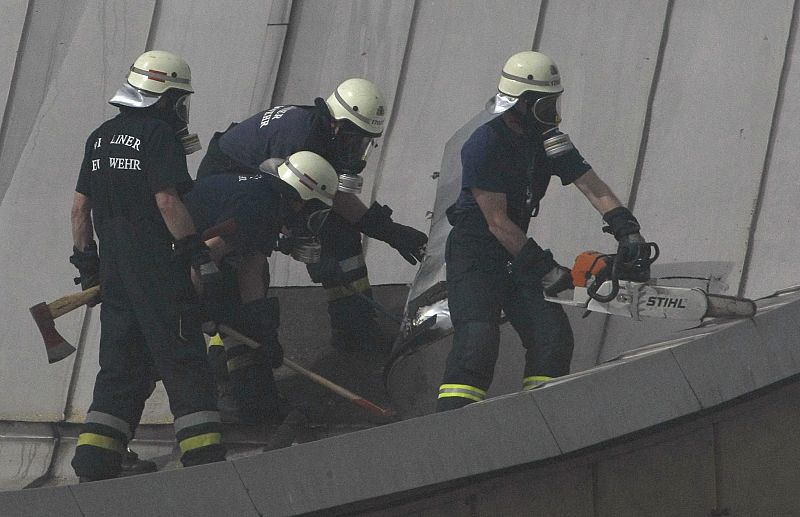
(360, 102)
(151, 75)
(310, 175)
(526, 71)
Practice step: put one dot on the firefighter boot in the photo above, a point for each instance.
(132, 465)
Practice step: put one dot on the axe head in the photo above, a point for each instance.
(57, 347)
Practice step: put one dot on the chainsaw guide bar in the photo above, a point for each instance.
(639, 299)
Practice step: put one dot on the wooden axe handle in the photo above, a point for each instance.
(71, 302)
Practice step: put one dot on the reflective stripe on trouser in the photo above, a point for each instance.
(470, 363)
(198, 430)
(105, 431)
(338, 292)
(462, 390)
(101, 444)
(534, 381)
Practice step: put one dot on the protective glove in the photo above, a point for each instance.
(377, 223)
(260, 320)
(535, 268)
(88, 264)
(194, 251)
(634, 249)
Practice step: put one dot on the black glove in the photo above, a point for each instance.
(194, 251)
(260, 320)
(637, 257)
(377, 223)
(88, 264)
(621, 222)
(634, 249)
(535, 268)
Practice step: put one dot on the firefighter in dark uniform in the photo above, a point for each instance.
(341, 129)
(128, 191)
(492, 265)
(297, 194)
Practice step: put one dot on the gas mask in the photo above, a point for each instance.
(303, 231)
(543, 115)
(349, 152)
(189, 141)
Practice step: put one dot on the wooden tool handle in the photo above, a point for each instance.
(71, 302)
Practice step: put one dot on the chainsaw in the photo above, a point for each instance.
(620, 285)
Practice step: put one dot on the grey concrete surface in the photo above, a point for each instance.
(638, 439)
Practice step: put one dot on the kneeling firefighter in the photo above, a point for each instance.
(296, 194)
(131, 179)
(342, 129)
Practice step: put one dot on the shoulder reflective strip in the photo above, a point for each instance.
(162, 77)
(340, 291)
(201, 440)
(193, 419)
(239, 362)
(531, 81)
(216, 340)
(95, 417)
(356, 114)
(103, 442)
(461, 390)
(529, 383)
(352, 263)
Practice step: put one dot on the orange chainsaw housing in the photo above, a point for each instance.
(588, 264)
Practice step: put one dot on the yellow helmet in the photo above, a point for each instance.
(360, 102)
(526, 71)
(310, 175)
(151, 75)
(157, 71)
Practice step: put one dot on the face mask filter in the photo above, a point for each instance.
(305, 229)
(189, 141)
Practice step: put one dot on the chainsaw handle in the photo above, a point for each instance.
(592, 289)
(616, 270)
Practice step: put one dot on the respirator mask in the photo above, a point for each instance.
(542, 116)
(350, 149)
(189, 141)
(304, 228)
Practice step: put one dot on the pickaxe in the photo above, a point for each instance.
(44, 313)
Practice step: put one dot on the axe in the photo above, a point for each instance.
(44, 313)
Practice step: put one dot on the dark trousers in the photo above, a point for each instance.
(341, 269)
(343, 273)
(150, 326)
(479, 287)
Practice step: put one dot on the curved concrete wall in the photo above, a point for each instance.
(685, 108)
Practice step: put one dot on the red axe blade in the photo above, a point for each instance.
(57, 346)
(44, 315)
